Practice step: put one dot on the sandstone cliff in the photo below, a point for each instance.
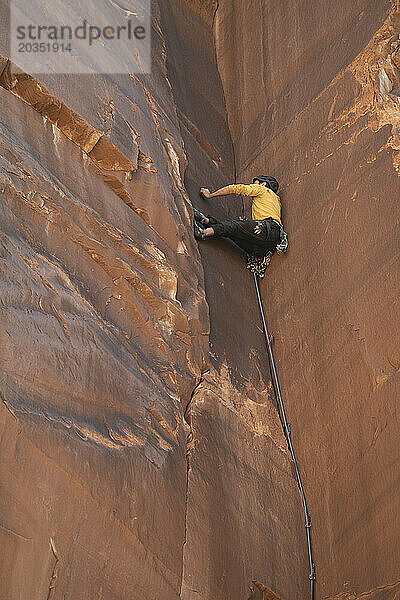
(142, 455)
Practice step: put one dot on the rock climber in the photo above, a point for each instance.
(259, 236)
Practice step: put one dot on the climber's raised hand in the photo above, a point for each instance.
(205, 192)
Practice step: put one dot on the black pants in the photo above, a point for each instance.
(256, 237)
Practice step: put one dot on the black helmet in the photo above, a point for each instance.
(270, 181)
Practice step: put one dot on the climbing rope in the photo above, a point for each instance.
(286, 428)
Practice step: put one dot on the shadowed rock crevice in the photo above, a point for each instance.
(234, 401)
(190, 442)
(54, 574)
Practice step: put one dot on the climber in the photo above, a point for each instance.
(260, 236)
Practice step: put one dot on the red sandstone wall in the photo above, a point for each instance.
(313, 98)
(141, 453)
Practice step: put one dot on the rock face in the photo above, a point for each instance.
(142, 454)
(318, 107)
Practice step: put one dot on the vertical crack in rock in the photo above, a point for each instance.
(189, 447)
(215, 13)
(235, 171)
(244, 415)
(8, 407)
(52, 585)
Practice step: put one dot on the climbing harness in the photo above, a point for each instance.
(283, 244)
(258, 264)
(287, 431)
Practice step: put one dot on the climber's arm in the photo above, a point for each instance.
(221, 192)
(237, 188)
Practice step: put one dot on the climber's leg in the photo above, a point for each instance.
(248, 234)
(201, 231)
(200, 218)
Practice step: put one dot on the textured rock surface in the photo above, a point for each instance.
(141, 452)
(104, 326)
(105, 340)
(318, 107)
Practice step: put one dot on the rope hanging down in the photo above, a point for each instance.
(286, 428)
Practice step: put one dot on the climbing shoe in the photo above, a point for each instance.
(198, 231)
(199, 217)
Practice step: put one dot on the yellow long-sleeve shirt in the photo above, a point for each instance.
(265, 202)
